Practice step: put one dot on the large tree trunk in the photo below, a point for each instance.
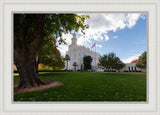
(25, 49)
(28, 74)
(36, 64)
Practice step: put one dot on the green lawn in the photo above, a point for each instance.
(89, 86)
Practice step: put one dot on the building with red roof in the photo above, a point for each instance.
(131, 67)
(134, 61)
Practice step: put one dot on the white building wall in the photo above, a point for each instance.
(132, 67)
(77, 53)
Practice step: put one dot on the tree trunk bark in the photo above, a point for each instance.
(36, 64)
(28, 74)
(26, 47)
(67, 66)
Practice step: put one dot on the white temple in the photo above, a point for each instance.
(76, 54)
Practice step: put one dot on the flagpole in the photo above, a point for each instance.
(95, 55)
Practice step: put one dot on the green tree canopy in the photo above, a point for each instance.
(87, 62)
(142, 60)
(29, 33)
(49, 55)
(110, 61)
(103, 61)
(118, 64)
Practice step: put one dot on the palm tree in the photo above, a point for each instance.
(67, 58)
(75, 64)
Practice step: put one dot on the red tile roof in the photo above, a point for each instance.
(134, 61)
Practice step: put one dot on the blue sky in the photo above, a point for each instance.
(122, 33)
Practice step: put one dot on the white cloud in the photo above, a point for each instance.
(106, 37)
(101, 23)
(128, 60)
(143, 16)
(63, 49)
(98, 45)
(82, 40)
(114, 37)
(131, 20)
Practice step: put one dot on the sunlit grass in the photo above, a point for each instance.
(89, 86)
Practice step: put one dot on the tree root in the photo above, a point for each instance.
(28, 84)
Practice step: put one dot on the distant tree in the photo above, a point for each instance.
(87, 62)
(103, 61)
(110, 61)
(67, 58)
(142, 60)
(49, 55)
(118, 64)
(75, 65)
(44, 67)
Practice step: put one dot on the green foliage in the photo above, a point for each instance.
(57, 24)
(75, 64)
(49, 55)
(89, 86)
(118, 64)
(24, 24)
(142, 60)
(67, 57)
(87, 62)
(31, 29)
(111, 61)
(103, 61)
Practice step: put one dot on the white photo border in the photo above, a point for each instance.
(152, 7)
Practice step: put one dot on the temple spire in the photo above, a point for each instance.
(74, 39)
(74, 35)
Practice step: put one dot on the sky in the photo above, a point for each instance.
(125, 34)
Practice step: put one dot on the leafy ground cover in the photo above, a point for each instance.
(89, 86)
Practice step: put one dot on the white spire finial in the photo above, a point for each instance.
(74, 35)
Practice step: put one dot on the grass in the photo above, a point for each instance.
(89, 86)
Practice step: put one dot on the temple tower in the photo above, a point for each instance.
(74, 39)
